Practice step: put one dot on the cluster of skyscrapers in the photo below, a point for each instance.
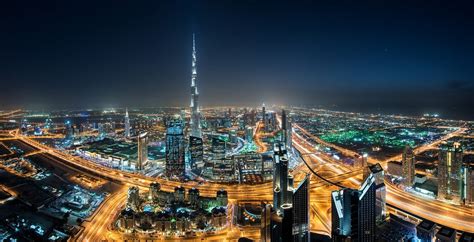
(287, 219)
(356, 212)
(455, 178)
(175, 128)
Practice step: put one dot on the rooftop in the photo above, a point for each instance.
(426, 225)
(446, 232)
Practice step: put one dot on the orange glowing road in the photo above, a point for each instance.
(258, 138)
(12, 114)
(100, 224)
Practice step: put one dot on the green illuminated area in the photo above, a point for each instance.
(249, 148)
(391, 138)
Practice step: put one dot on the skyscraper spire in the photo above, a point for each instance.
(195, 113)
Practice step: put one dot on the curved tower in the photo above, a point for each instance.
(195, 120)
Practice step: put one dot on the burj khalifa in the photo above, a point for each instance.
(195, 113)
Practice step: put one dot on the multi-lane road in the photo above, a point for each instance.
(98, 227)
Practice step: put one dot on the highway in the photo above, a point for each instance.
(98, 228)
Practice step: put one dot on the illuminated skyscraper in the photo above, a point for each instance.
(286, 128)
(195, 120)
(249, 134)
(300, 223)
(380, 191)
(69, 130)
(270, 121)
(408, 164)
(354, 212)
(288, 219)
(127, 125)
(467, 184)
(142, 158)
(175, 150)
(450, 172)
(264, 116)
(196, 150)
(219, 147)
(281, 193)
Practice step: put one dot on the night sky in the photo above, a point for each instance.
(379, 56)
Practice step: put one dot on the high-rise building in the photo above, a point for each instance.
(196, 151)
(175, 150)
(449, 171)
(300, 223)
(69, 130)
(270, 121)
(264, 116)
(249, 134)
(219, 146)
(467, 184)
(288, 219)
(354, 212)
(290, 222)
(142, 156)
(408, 164)
(195, 120)
(266, 220)
(133, 199)
(127, 124)
(287, 129)
(380, 191)
(281, 193)
(283, 119)
(249, 117)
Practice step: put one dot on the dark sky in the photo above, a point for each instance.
(378, 56)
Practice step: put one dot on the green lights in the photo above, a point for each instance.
(388, 138)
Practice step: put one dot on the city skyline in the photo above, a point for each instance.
(367, 60)
(237, 121)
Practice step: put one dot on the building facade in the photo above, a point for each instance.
(196, 150)
(354, 213)
(175, 148)
(408, 166)
(450, 172)
(126, 131)
(142, 157)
